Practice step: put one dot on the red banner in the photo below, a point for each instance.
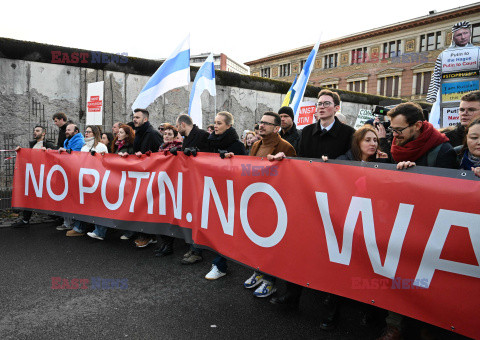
(401, 240)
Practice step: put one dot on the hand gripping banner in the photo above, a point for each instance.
(406, 241)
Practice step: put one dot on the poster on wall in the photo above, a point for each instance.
(450, 116)
(453, 91)
(306, 114)
(460, 59)
(95, 103)
(363, 116)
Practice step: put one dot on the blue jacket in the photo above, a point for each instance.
(75, 143)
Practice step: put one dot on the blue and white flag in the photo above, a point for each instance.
(174, 72)
(204, 80)
(302, 81)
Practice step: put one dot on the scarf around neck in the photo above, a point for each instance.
(429, 138)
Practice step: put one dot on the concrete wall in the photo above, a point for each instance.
(62, 88)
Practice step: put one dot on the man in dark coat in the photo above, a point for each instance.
(194, 136)
(39, 142)
(289, 130)
(146, 138)
(327, 137)
(60, 120)
(468, 111)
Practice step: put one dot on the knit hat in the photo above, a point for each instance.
(286, 110)
(460, 25)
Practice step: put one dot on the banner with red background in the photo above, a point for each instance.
(406, 241)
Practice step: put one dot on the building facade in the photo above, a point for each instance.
(221, 62)
(394, 61)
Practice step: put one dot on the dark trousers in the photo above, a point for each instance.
(294, 291)
(221, 263)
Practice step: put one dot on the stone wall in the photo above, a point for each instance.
(62, 88)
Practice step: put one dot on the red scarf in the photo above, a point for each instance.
(428, 139)
(120, 143)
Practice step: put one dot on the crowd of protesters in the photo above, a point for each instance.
(408, 141)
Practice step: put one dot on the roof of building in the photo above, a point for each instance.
(411, 23)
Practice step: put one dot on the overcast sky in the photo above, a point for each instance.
(244, 30)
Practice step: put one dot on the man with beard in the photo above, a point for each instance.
(74, 140)
(38, 142)
(416, 140)
(146, 139)
(289, 130)
(270, 145)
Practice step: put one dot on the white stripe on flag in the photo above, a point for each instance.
(174, 72)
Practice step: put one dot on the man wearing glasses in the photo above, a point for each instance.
(270, 144)
(416, 141)
(469, 109)
(327, 137)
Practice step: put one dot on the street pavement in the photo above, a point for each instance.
(163, 300)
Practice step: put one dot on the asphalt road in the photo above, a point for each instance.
(164, 299)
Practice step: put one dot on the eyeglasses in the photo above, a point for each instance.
(267, 123)
(88, 131)
(324, 104)
(398, 131)
(161, 129)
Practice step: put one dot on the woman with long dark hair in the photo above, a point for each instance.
(107, 139)
(365, 146)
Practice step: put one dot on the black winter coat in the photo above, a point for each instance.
(228, 141)
(146, 139)
(292, 136)
(456, 135)
(196, 138)
(314, 143)
(61, 136)
(46, 143)
(128, 148)
(446, 158)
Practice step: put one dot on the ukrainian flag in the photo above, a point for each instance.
(290, 94)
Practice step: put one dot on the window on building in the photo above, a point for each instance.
(265, 72)
(422, 82)
(285, 70)
(389, 86)
(358, 86)
(302, 64)
(392, 49)
(430, 41)
(330, 86)
(476, 33)
(359, 55)
(330, 60)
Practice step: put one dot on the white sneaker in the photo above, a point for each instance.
(214, 273)
(124, 237)
(93, 235)
(254, 280)
(266, 289)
